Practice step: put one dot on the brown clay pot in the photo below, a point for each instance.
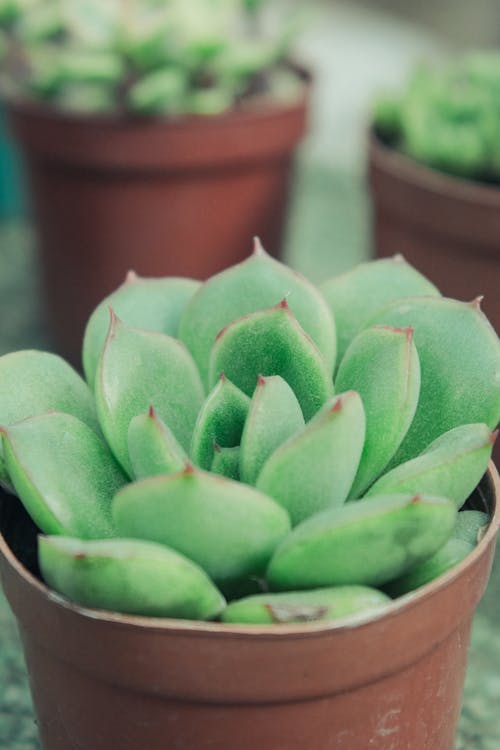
(102, 680)
(179, 197)
(447, 227)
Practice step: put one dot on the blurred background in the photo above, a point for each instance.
(355, 50)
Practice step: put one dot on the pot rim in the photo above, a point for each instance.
(310, 630)
(259, 107)
(408, 169)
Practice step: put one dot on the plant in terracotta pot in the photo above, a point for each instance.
(434, 174)
(156, 135)
(213, 545)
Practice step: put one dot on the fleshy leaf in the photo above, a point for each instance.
(314, 470)
(64, 475)
(228, 528)
(139, 369)
(152, 304)
(453, 552)
(305, 606)
(450, 467)
(152, 447)
(471, 526)
(256, 284)
(459, 356)
(33, 382)
(129, 576)
(271, 342)
(226, 462)
(382, 366)
(220, 421)
(356, 296)
(369, 542)
(275, 415)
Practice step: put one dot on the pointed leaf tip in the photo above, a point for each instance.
(222, 377)
(261, 379)
(151, 412)
(217, 448)
(80, 556)
(258, 248)
(399, 258)
(188, 469)
(416, 499)
(491, 441)
(283, 305)
(337, 406)
(476, 303)
(131, 277)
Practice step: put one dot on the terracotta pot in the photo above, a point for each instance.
(166, 198)
(102, 680)
(447, 227)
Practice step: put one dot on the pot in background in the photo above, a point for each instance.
(391, 682)
(449, 228)
(178, 197)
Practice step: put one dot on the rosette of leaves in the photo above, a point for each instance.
(447, 117)
(301, 453)
(144, 56)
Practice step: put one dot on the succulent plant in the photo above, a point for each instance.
(145, 57)
(211, 458)
(448, 117)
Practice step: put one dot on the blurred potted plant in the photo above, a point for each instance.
(434, 172)
(157, 135)
(221, 431)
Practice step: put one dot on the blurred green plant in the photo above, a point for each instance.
(144, 56)
(448, 118)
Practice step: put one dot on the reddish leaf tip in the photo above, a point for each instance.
(80, 556)
(337, 406)
(151, 412)
(217, 448)
(188, 469)
(491, 441)
(222, 377)
(3, 430)
(476, 303)
(416, 499)
(261, 379)
(283, 305)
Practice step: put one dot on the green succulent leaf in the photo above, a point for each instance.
(305, 606)
(369, 542)
(356, 296)
(220, 421)
(271, 342)
(129, 576)
(226, 462)
(382, 365)
(64, 475)
(275, 415)
(159, 92)
(471, 526)
(228, 528)
(315, 468)
(152, 447)
(453, 552)
(459, 356)
(152, 304)
(33, 382)
(256, 284)
(450, 467)
(139, 369)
